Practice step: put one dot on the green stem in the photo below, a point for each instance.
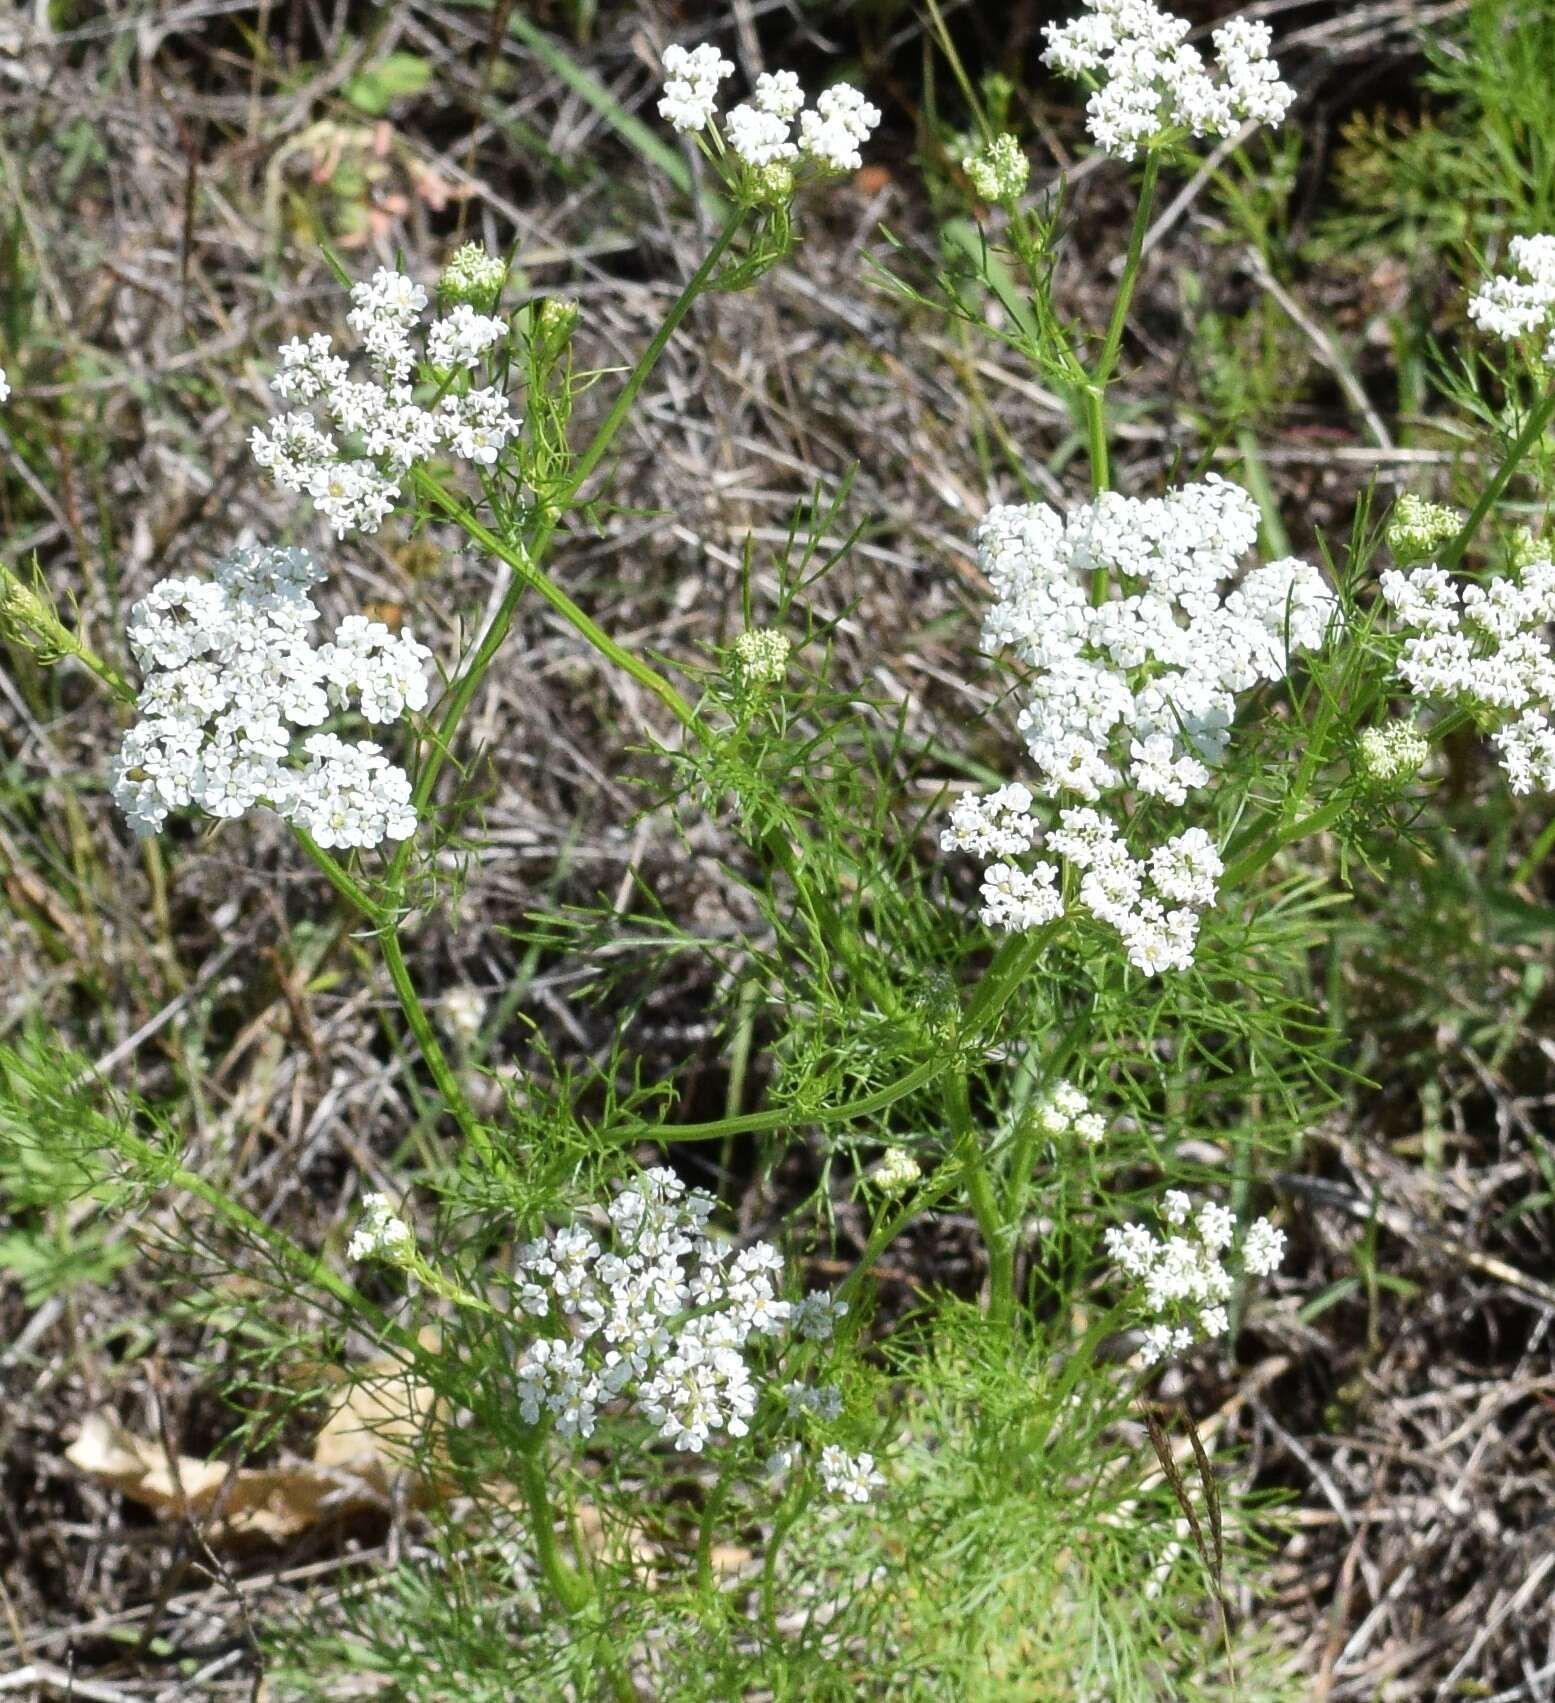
(616, 418)
(527, 574)
(340, 878)
(969, 1158)
(569, 1587)
(426, 1039)
(1094, 396)
(1250, 862)
(1536, 854)
(1532, 431)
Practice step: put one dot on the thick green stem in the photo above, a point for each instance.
(339, 877)
(568, 1586)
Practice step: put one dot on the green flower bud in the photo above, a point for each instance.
(473, 277)
(772, 185)
(556, 318)
(1387, 758)
(758, 659)
(1418, 529)
(999, 171)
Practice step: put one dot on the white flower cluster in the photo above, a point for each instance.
(1133, 689)
(850, 1477)
(381, 1234)
(1148, 82)
(5, 386)
(1064, 1110)
(231, 674)
(1390, 756)
(896, 1172)
(760, 132)
(999, 170)
(759, 658)
(1484, 646)
(663, 1317)
(355, 488)
(1517, 307)
(1182, 1278)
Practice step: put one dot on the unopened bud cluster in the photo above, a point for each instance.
(1390, 756)
(758, 659)
(472, 278)
(1418, 529)
(998, 172)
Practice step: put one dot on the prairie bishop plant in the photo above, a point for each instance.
(1010, 1023)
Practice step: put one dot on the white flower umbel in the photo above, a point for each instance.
(1180, 1277)
(1390, 756)
(1140, 636)
(1517, 307)
(1150, 88)
(376, 429)
(381, 1234)
(663, 1317)
(233, 686)
(1485, 647)
(759, 134)
(1064, 1110)
(691, 79)
(5, 386)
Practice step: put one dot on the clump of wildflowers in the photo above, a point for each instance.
(1138, 652)
(1149, 87)
(376, 430)
(759, 134)
(1516, 307)
(1483, 646)
(1390, 756)
(660, 1316)
(1418, 529)
(998, 172)
(1180, 1277)
(232, 675)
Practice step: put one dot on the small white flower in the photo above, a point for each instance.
(849, 1477)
